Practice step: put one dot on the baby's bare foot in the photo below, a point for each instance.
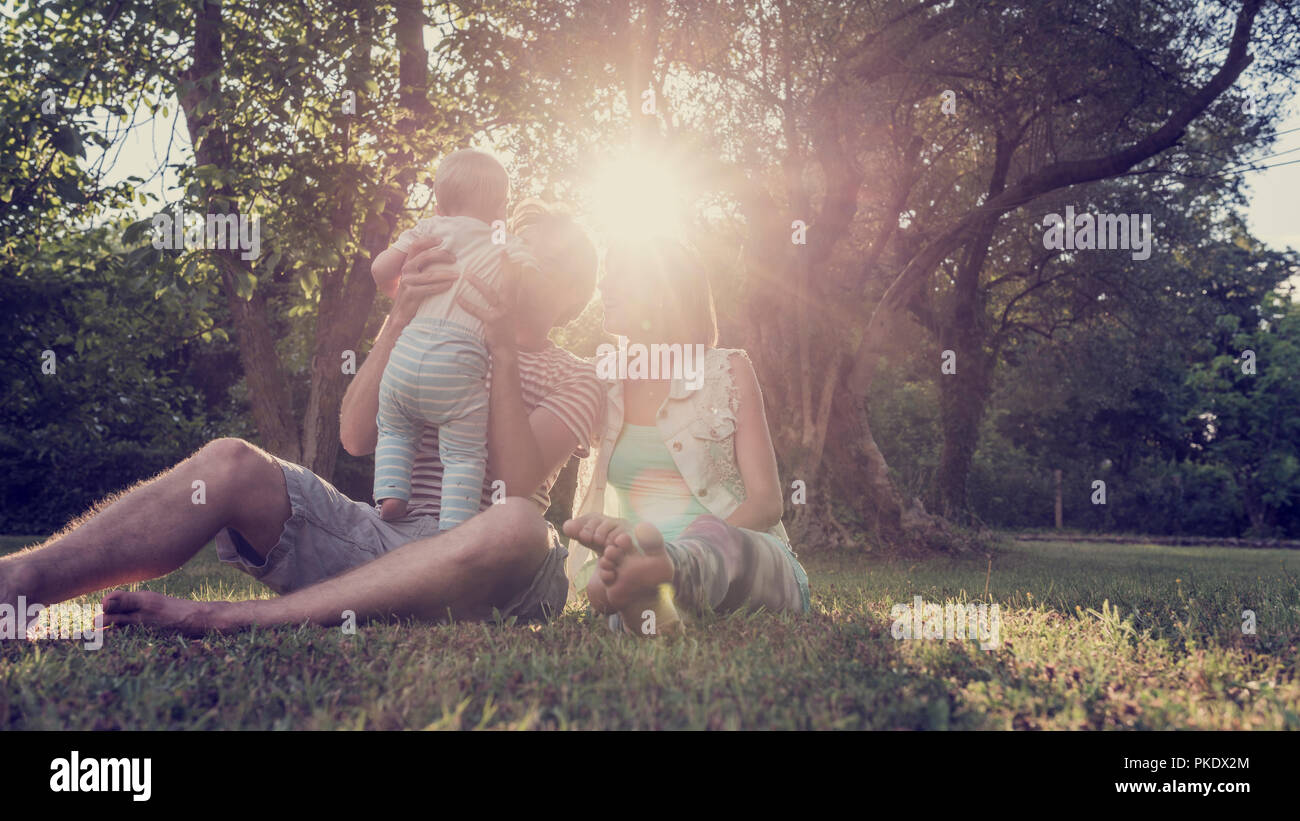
(390, 510)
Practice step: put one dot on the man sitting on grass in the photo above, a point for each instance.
(327, 554)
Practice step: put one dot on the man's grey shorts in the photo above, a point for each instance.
(328, 534)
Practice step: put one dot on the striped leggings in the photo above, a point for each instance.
(719, 568)
(436, 376)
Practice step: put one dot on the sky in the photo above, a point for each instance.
(1274, 212)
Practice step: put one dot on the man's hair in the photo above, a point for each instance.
(472, 183)
(570, 245)
(675, 271)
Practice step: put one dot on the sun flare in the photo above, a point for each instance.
(633, 195)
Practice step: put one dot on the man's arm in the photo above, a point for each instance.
(523, 448)
(359, 412)
(358, 430)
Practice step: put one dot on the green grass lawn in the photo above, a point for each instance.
(1092, 636)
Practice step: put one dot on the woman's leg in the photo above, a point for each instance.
(721, 568)
(712, 567)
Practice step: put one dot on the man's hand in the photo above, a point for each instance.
(427, 271)
(498, 317)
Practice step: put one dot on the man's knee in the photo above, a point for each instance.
(229, 455)
(235, 465)
(518, 532)
(248, 487)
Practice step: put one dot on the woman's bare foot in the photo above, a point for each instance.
(636, 574)
(148, 609)
(390, 510)
(634, 583)
(596, 595)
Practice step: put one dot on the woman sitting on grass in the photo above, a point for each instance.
(686, 467)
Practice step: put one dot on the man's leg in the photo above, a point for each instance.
(156, 526)
(463, 572)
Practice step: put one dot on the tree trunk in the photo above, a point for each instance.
(340, 322)
(268, 394)
(962, 399)
(964, 393)
(346, 291)
(270, 400)
(860, 468)
(1058, 511)
(1257, 511)
(413, 59)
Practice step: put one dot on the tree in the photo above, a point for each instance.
(1134, 140)
(99, 387)
(844, 133)
(317, 119)
(1250, 392)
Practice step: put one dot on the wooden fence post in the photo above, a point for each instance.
(1056, 474)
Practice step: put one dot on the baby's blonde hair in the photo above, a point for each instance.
(471, 183)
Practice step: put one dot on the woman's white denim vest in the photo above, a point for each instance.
(698, 426)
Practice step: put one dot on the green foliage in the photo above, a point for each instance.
(1250, 413)
(57, 70)
(129, 394)
(1185, 442)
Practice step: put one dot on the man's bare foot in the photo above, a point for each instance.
(636, 574)
(148, 609)
(390, 510)
(13, 584)
(595, 530)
